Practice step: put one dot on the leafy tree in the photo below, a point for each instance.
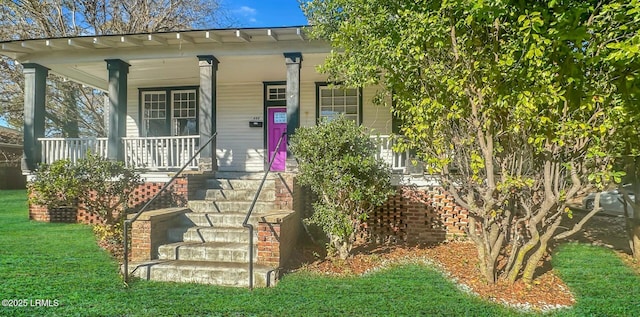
(511, 103)
(337, 160)
(72, 109)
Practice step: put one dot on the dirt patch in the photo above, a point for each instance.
(458, 260)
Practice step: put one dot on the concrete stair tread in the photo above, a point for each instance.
(215, 219)
(208, 206)
(218, 194)
(221, 233)
(202, 272)
(244, 175)
(234, 183)
(222, 251)
(218, 245)
(223, 227)
(208, 265)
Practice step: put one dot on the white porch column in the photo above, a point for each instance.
(35, 90)
(208, 65)
(117, 127)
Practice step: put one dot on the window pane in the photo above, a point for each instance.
(325, 92)
(185, 127)
(326, 101)
(351, 92)
(155, 127)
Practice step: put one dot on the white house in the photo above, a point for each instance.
(170, 91)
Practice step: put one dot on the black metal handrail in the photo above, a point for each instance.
(128, 222)
(246, 223)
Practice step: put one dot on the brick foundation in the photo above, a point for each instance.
(182, 189)
(60, 214)
(418, 215)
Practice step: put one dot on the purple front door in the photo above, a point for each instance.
(276, 126)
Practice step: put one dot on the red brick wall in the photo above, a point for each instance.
(418, 215)
(277, 238)
(269, 244)
(284, 191)
(176, 195)
(140, 241)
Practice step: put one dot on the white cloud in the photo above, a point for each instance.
(246, 11)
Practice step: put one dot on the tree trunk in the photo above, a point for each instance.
(534, 259)
(343, 248)
(520, 256)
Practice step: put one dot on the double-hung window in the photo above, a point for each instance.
(169, 112)
(333, 101)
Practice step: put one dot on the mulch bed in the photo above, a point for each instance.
(458, 260)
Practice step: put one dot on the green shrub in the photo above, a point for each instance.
(55, 185)
(337, 160)
(103, 186)
(106, 186)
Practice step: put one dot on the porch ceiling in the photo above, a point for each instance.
(162, 59)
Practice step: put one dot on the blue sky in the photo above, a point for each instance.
(264, 13)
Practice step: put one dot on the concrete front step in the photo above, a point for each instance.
(237, 234)
(216, 219)
(230, 183)
(267, 194)
(202, 272)
(229, 206)
(208, 251)
(244, 175)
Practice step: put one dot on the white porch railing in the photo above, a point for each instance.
(158, 153)
(397, 160)
(73, 149)
(171, 152)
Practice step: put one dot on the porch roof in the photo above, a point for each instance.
(82, 58)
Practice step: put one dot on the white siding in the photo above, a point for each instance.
(240, 148)
(133, 113)
(307, 104)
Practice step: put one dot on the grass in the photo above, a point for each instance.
(62, 262)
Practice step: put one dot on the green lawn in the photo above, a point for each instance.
(62, 262)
